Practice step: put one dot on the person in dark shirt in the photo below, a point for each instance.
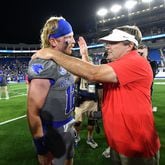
(143, 51)
(86, 104)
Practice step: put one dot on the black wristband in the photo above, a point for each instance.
(40, 146)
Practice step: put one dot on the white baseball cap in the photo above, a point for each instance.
(119, 35)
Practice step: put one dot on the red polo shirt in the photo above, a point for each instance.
(127, 110)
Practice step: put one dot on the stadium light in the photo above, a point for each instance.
(130, 4)
(102, 12)
(115, 8)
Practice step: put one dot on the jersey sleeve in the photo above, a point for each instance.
(42, 69)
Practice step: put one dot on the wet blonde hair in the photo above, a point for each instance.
(49, 27)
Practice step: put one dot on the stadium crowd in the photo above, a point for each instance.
(14, 68)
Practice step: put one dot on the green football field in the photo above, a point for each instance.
(16, 147)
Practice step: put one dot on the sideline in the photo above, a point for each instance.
(14, 96)
(159, 83)
(18, 95)
(8, 121)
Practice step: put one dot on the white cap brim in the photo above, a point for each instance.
(119, 35)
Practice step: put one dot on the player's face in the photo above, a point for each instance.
(66, 43)
(116, 50)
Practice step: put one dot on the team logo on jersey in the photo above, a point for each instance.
(62, 71)
(37, 68)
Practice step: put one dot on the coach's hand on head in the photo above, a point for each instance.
(44, 53)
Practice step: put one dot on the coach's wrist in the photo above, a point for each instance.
(40, 145)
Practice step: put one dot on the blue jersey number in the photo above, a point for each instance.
(70, 99)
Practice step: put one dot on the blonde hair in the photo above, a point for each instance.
(133, 30)
(49, 27)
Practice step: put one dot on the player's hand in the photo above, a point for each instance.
(45, 159)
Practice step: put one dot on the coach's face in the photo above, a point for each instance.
(116, 50)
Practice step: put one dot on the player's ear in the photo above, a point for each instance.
(53, 42)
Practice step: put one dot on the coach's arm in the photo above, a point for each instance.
(91, 72)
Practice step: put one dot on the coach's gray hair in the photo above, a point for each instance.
(133, 30)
